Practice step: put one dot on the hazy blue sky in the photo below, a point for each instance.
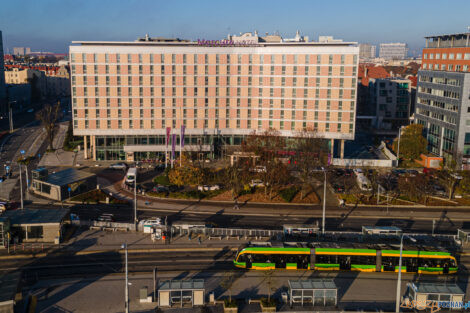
(50, 25)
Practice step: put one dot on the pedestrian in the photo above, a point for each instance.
(236, 207)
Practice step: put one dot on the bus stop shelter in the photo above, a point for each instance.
(464, 235)
(424, 293)
(181, 292)
(315, 292)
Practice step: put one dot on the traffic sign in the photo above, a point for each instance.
(22, 152)
(70, 189)
(7, 168)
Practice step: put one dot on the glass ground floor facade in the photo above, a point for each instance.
(143, 147)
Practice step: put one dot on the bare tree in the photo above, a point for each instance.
(49, 116)
(311, 153)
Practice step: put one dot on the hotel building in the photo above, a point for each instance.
(126, 94)
(443, 96)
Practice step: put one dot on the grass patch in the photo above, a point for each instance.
(289, 193)
(162, 180)
(96, 196)
(266, 303)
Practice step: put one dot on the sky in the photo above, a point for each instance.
(51, 25)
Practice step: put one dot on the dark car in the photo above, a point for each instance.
(412, 172)
(339, 172)
(348, 172)
(160, 189)
(338, 188)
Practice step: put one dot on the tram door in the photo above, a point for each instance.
(344, 262)
(280, 261)
(302, 262)
(249, 261)
(411, 265)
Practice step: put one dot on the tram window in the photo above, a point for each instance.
(425, 262)
(389, 261)
(363, 259)
(242, 258)
(291, 259)
(326, 259)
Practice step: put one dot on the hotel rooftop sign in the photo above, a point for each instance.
(227, 43)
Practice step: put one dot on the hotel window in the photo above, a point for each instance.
(206, 58)
(318, 70)
(438, 56)
(305, 115)
(261, 59)
(317, 83)
(239, 58)
(271, 81)
(283, 59)
(340, 116)
(329, 81)
(341, 70)
(118, 69)
(107, 92)
(119, 113)
(451, 56)
(341, 93)
(294, 81)
(330, 70)
(436, 67)
(459, 56)
(425, 55)
(95, 69)
(449, 67)
(295, 70)
(316, 104)
(316, 115)
(457, 68)
(129, 69)
(283, 81)
(85, 80)
(271, 92)
(467, 56)
(108, 113)
(425, 66)
(330, 59)
(239, 70)
(327, 116)
(318, 58)
(328, 95)
(129, 58)
(465, 68)
(342, 59)
(327, 127)
(131, 124)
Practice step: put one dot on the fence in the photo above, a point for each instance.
(106, 225)
(363, 163)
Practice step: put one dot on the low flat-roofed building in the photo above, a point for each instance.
(34, 225)
(62, 185)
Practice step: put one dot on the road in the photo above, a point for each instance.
(337, 220)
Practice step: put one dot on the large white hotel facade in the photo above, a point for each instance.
(126, 94)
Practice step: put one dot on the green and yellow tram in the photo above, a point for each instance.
(354, 259)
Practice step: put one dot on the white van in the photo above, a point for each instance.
(131, 175)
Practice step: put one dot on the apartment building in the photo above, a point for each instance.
(367, 51)
(391, 99)
(3, 95)
(443, 96)
(393, 51)
(130, 98)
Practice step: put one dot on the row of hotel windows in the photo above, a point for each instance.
(439, 104)
(437, 56)
(438, 116)
(128, 81)
(228, 58)
(293, 125)
(294, 93)
(206, 113)
(448, 67)
(293, 70)
(206, 103)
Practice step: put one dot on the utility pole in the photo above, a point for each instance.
(397, 303)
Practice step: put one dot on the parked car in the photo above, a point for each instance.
(208, 187)
(412, 173)
(259, 169)
(118, 166)
(398, 172)
(160, 189)
(338, 188)
(439, 190)
(358, 171)
(256, 183)
(348, 172)
(339, 172)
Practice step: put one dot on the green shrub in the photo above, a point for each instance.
(266, 303)
(289, 193)
(230, 304)
(157, 194)
(162, 180)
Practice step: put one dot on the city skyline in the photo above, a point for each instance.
(402, 22)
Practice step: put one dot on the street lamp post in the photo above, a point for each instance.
(397, 303)
(21, 187)
(126, 292)
(135, 201)
(398, 147)
(324, 203)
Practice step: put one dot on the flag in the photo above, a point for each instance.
(173, 142)
(182, 136)
(168, 131)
